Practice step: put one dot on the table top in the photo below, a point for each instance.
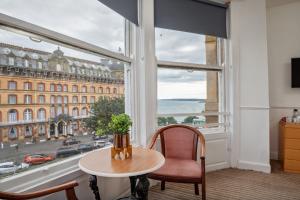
(100, 163)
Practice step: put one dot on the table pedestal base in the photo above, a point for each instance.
(139, 186)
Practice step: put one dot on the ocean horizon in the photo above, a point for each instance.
(177, 106)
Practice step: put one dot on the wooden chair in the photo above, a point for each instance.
(68, 187)
(179, 145)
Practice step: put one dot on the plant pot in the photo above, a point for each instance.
(121, 141)
(121, 149)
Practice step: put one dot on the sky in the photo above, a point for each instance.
(92, 22)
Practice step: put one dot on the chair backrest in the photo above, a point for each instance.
(180, 141)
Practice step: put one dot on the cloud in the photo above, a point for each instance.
(87, 20)
(167, 75)
(180, 46)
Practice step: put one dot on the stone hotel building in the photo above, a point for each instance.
(46, 95)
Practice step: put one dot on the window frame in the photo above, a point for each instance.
(40, 33)
(219, 67)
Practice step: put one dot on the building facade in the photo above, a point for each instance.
(47, 95)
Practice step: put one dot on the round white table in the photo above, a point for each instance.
(142, 162)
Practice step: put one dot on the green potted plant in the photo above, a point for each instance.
(120, 126)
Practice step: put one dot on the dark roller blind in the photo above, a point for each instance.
(126, 8)
(195, 16)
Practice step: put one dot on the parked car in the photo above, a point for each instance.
(99, 143)
(85, 147)
(66, 152)
(99, 137)
(70, 141)
(37, 158)
(11, 167)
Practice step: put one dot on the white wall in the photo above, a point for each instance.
(251, 85)
(283, 44)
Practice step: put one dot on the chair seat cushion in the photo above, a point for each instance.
(178, 170)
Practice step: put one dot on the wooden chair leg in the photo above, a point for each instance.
(196, 189)
(162, 185)
(71, 195)
(203, 191)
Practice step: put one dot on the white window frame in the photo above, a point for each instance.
(31, 30)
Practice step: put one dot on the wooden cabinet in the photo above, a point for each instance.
(289, 152)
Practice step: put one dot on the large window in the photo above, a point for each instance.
(52, 74)
(190, 79)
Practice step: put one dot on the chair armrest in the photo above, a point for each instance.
(69, 187)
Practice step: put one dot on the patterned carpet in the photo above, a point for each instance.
(233, 184)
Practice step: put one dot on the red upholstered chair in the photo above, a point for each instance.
(179, 146)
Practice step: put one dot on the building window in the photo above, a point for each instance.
(19, 62)
(66, 110)
(26, 63)
(115, 91)
(58, 88)
(52, 87)
(108, 90)
(28, 131)
(84, 112)
(58, 67)
(41, 87)
(13, 115)
(92, 89)
(12, 99)
(40, 65)
(74, 88)
(52, 112)
(83, 89)
(65, 88)
(75, 112)
(11, 61)
(84, 99)
(52, 99)
(59, 110)
(41, 99)
(59, 100)
(27, 99)
(12, 85)
(92, 99)
(74, 99)
(12, 133)
(27, 115)
(100, 90)
(42, 129)
(66, 99)
(41, 114)
(33, 64)
(27, 86)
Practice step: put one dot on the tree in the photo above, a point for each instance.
(101, 112)
(163, 121)
(189, 119)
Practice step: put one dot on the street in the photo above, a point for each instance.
(13, 154)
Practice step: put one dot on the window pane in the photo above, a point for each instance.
(177, 46)
(36, 105)
(184, 94)
(95, 23)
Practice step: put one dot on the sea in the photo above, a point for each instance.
(176, 106)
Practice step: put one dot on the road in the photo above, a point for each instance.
(48, 147)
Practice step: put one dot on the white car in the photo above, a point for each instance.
(99, 143)
(11, 167)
